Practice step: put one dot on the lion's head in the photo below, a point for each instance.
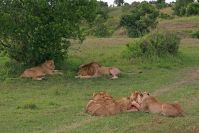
(88, 69)
(49, 64)
(136, 96)
(126, 105)
(143, 96)
(101, 96)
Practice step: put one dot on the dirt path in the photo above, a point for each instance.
(189, 77)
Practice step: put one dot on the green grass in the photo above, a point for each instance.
(56, 105)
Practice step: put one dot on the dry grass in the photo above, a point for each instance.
(167, 10)
(180, 23)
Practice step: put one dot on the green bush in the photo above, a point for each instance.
(33, 31)
(161, 4)
(141, 20)
(195, 34)
(155, 44)
(180, 7)
(99, 28)
(192, 9)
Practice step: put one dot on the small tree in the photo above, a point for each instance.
(192, 9)
(103, 4)
(99, 27)
(142, 18)
(32, 31)
(180, 7)
(160, 4)
(119, 2)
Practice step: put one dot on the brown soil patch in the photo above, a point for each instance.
(178, 25)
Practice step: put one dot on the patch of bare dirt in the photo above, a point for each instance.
(187, 25)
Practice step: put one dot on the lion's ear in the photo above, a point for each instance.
(82, 65)
(52, 61)
(94, 94)
(147, 93)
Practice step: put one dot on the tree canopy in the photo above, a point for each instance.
(142, 18)
(32, 31)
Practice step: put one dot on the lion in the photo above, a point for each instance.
(102, 104)
(147, 103)
(88, 70)
(38, 72)
(94, 69)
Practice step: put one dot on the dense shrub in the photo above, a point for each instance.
(154, 44)
(192, 9)
(160, 4)
(119, 2)
(180, 7)
(32, 31)
(141, 20)
(195, 34)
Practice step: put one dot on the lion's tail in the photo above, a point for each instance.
(129, 73)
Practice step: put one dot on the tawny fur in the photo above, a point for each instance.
(103, 104)
(94, 69)
(38, 72)
(150, 104)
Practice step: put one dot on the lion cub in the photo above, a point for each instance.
(38, 72)
(150, 104)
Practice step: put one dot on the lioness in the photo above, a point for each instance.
(38, 72)
(103, 104)
(150, 104)
(94, 69)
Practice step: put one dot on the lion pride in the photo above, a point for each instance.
(94, 69)
(147, 103)
(38, 72)
(102, 104)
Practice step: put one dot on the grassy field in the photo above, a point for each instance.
(56, 104)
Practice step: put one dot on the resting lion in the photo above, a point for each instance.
(147, 103)
(102, 104)
(38, 72)
(94, 69)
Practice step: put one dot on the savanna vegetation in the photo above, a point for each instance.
(164, 62)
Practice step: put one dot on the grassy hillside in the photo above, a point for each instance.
(56, 104)
(182, 25)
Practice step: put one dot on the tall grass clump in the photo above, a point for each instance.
(195, 34)
(156, 44)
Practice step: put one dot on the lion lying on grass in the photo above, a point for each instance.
(94, 69)
(147, 103)
(38, 72)
(102, 104)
